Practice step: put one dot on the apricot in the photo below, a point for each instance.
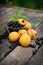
(22, 22)
(28, 25)
(25, 40)
(21, 32)
(32, 33)
(13, 36)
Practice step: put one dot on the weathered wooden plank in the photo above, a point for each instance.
(39, 30)
(5, 10)
(7, 14)
(4, 47)
(37, 59)
(20, 55)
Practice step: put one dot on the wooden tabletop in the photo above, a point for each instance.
(20, 55)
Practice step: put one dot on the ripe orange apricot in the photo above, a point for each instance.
(29, 32)
(22, 22)
(13, 36)
(25, 40)
(32, 33)
(28, 25)
(23, 31)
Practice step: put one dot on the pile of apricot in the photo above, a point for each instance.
(24, 35)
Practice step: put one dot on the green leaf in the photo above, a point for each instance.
(18, 14)
(13, 18)
(23, 17)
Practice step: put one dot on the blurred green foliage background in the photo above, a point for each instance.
(34, 4)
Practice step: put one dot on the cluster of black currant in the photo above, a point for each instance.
(14, 26)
